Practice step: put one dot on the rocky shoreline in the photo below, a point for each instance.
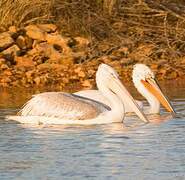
(39, 55)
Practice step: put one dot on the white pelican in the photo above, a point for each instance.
(145, 83)
(64, 108)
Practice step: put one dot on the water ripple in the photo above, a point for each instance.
(152, 151)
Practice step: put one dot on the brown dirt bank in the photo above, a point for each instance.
(39, 55)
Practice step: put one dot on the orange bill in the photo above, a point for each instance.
(152, 86)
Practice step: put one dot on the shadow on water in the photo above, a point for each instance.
(115, 151)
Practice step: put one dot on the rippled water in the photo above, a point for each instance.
(135, 151)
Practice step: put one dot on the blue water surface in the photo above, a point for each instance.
(115, 151)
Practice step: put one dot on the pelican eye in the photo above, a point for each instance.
(149, 78)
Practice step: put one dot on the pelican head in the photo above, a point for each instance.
(142, 72)
(105, 73)
(108, 80)
(144, 81)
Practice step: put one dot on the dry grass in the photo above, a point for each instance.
(19, 12)
(118, 22)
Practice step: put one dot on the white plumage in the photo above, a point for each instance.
(98, 96)
(64, 108)
(142, 74)
(62, 105)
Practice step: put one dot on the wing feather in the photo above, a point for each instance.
(62, 105)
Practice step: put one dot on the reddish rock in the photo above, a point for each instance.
(28, 42)
(12, 29)
(154, 66)
(81, 74)
(5, 80)
(24, 62)
(115, 64)
(15, 83)
(4, 66)
(105, 59)
(60, 41)
(35, 32)
(37, 80)
(2, 29)
(47, 27)
(91, 72)
(5, 40)
(23, 81)
(65, 80)
(35, 43)
(29, 74)
(44, 66)
(11, 50)
(66, 60)
(183, 61)
(180, 73)
(48, 66)
(2, 61)
(46, 57)
(86, 83)
(7, 72)
(49, 53)
(78, 69)
(4, 84)
(21, 42)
